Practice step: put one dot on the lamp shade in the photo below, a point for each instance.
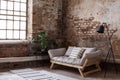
(100, 29)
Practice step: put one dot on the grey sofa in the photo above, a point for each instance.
(91, 56)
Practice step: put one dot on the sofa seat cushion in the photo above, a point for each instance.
(67, 60)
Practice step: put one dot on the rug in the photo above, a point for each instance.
(9, 76)
(31, 74)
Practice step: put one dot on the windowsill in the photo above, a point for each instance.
(23, 59)
(13, 41)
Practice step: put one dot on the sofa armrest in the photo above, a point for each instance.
(94, 54)
(56, 52)
(91, 56)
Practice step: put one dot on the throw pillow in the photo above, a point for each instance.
(69, 50)
(88, 50)
(81, 53)
(75, 52)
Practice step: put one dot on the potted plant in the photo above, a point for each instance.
(41, 42)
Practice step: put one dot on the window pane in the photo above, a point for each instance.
(23, 18)
(16, 24)
(2, 17)
(23, 25)
(16, 34)
(23, 7)
(9, 34)
(16, 13)
(10, 17)
(22, 34)
(2, 34)
(3, 12)
(16, 18)
(23, 0)
(2, 24)
(17, 6)
(3, 4)
(9, 24)
(10, 5)
(23, 13)
(10, 12)
(16, 0)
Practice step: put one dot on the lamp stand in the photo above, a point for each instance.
(107, 59)
(110, 53)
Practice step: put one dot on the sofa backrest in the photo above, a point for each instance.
(56, 52)
(88, 50)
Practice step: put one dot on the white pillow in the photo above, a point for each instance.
(69, 50)
(88, 50)
(75, 52)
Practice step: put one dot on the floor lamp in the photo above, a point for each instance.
(110, 51)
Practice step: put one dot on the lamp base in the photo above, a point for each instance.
(107, 59)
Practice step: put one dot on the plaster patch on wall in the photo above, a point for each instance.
(39, 4)
(113, 15)
(102, 10)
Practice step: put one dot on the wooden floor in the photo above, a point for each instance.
(71, 72)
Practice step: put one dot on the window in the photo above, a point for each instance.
(13, 19)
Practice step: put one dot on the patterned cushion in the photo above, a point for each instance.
(67, 60)
(75, 52)
(59, 59)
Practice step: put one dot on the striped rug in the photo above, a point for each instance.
(31, 74)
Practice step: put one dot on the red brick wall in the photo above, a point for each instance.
(13, 50)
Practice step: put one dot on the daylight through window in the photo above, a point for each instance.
(13, 15)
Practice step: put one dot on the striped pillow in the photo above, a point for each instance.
(81, 53)
(75, 52)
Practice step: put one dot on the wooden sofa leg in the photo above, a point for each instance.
(98, 66)
(81, 72)
(94, 70)
(52, 64)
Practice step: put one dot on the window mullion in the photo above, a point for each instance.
(26, 18)
(6, 16)
(19, 20)
(0, 6)
(13, 22)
